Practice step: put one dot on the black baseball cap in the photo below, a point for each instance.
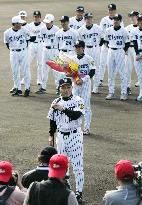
(88, 15)
(112, 7)
(64, 81)
(80, 8)
(48, 152)
(64, 18)
(80, 44)
(36, 13)
(140, 17)
(118, 17)
(133, 13)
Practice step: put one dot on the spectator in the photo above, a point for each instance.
(14, 194)
(126, 193)
(53, 191)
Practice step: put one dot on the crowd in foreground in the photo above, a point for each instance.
(49, 183)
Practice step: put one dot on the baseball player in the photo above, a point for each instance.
(137, 40)
(50, 49)
(16, 40)
(36, 47)
(130, 57)
(106, 22)
(77, 21)
(82, 87)
(91, 34)
(66, 38)
(117, 40)
(65, 116)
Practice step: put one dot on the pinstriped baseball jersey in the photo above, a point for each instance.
(63, 122)
(48, 36)
(116, 38)
(90, 36)
(36, 30)
(75, 24)
(130, 29)
(137, 35)
(26, 26)
(16, 39)
(66, 39)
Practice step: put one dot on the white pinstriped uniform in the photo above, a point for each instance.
(66, 41)
(116, 58)
(130, 58)
(72, 144)
(18, 40)
(50, 53)
(36, 47)
(75, 24)
(92, 37)
(84, 91)
(137, 35)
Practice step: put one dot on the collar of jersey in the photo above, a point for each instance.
(67, 98)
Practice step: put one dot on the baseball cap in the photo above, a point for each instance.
(133, 13)
(5, 171)
(64, 81)
(64, 18)
(124, 170)
(112, 7)
(36, 13)
(140, 17)
(80, 8)
(17, 19)
(22, 13)
(48, 151)
(48, 18)
(58, 166)
(88, 15)
(80, 44)
(118, 17)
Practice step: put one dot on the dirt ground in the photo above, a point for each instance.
(116, 126)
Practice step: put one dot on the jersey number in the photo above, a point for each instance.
(119, 43)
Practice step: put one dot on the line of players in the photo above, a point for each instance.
(108, 44)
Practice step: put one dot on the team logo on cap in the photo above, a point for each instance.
(56, 166)
(2, 171)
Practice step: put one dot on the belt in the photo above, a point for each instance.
(64, 50)
(50, 47)
(115, 48)
(18, 50)
(68, 133)
(91, 46)
(131, 46)
(37, 42)
(140, 50)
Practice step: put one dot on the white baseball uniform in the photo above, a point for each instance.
(36, 47)
(137, 35)
(86, 63)
(116, 57)
(75, 24)
(17, 41)
(50, 52)
(70, 136)
(92, 38)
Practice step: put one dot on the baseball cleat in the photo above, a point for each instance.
(41, 91)
(86, 132)
(137, 84)
(139, 99)
(27, 92)
(129, 92)
(123, 97)
(110, 96)
(79, 197)
(12, 90)
(95, 90)
(22, 81)
(17, 92)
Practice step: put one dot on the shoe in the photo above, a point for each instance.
(41, 91)
(22, 81)
(101, 83)
(57, 91)
(110, 96)
(95, 90)
(137, 84)
(86, 132)
(129, 91)
(79, 197)
(17, 92)
(12, 90)
(27, 92)
(123, 97)
(139, 99)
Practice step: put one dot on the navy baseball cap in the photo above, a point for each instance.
(64, 18)
(140, 17)
(64, 81)
(88, 15)
(80, 44)
(133, 13)
(80, 8)
(112, 7)
(36, 13)
(118, 17)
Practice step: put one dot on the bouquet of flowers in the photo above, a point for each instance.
(65, 64)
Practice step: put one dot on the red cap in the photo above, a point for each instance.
(5, 171)
(124, 170)
(58, 166)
